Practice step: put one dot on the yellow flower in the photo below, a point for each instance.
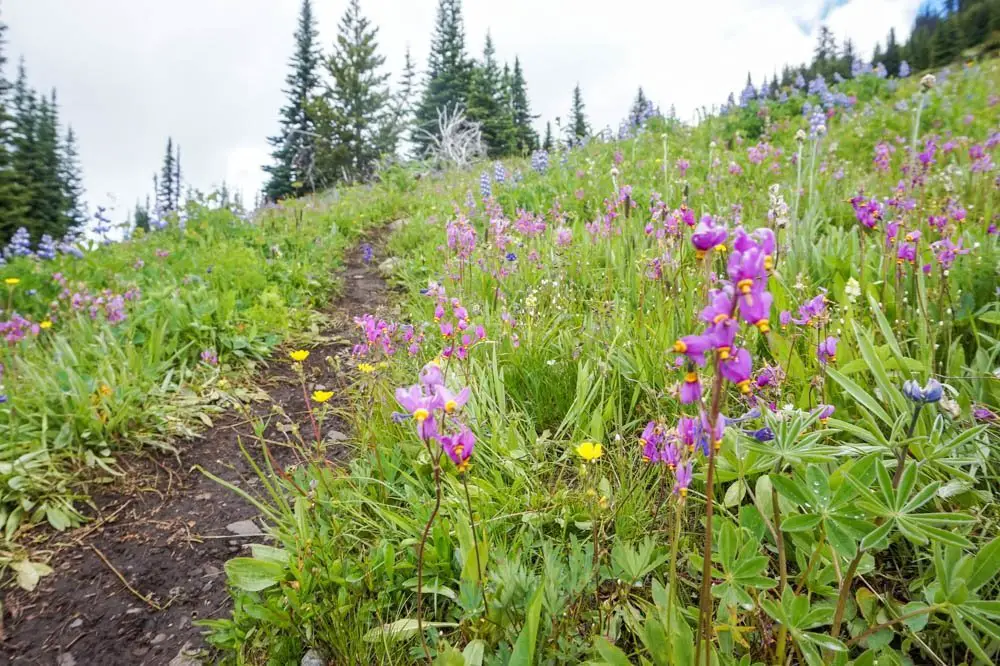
(322, 396)
(589, 451)
(13, 282)
(105, 390)
(45, 325)
(299, 355)
(366, 368)
(382, 364)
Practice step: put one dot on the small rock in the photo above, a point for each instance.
(65, 659)
(206, 587)
(201, 497)
(336, 436)
(159, 638)
(76, 623)
(245, 528)
(185, 657)
(212, 571)
(140, 651)
(396, 225)
(133, 611)
(388, 266)
(312, 658)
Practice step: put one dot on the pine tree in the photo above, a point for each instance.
(946, 44)
(71, 183)
(578, 128)
(893, 54)
(357, 99)
(526, 138)
(547, 143)
(847, 56)
(177, 179)
(294, 148)
(638, 110)
(486, 103)
(26, 156)
(403, 100)
(13, 203)
(166, 195)
(140, 218)
(448, 72)
(826, 50)
(877, 54)
(48, 206)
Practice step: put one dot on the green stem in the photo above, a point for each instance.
(420, 554)
(475, 544)
(902, 618)
(673, 577)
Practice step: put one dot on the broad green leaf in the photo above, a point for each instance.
(402, 628)
(253, 575)
(985, 565)
(969, 638)
(861, 396)
(876, 536)
(612, 655)
(524, 648)
(473, 653)
(800, 523)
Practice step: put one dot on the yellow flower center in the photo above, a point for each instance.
(719, 318)
(691, 377)
(763, 325)
(744, 386)
(720, 248)
(449, 407)
(768, 262)
(723, 353)
(699, 254)
(680, 347)
(683, 492)
(420, 415)
(745, 285)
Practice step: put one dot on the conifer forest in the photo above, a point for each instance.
(467, 383)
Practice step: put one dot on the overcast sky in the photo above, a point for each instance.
(209, 73)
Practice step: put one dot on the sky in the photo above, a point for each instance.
(210, 73)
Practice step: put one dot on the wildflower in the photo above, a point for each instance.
(764, 434)
(825, 412)
(589, 451)
(650, 439)
(210, 357)
(737, 368)
(930, 392)
(459, 448)
(682, 479)
(485, 186)
(852, 290)
(45, 325)
(366, 368)
(707, 236)
(983, 414)
(694, 347)
(12, 281)
(421, 407)
(690, 391)
(321, 396)
(826, 351)
(299, 355)
(449, 401)
(927, 82)
(715, 432)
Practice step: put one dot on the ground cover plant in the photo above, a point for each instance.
(713, 394)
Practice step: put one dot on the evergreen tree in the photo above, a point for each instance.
(893, 54)
(547, 143)
(487, 103)
(177, 179)
(140, 218)
(526, 138)
(448, 72)
(166, 195)
(403, 103)
(825, 52)
(847, 56)
(578, 128)
(71, 182)
(294, 147)
(356, 101)
(26, 155)
(877, 54)
(947, 42)
(638, 110)
(13, 202)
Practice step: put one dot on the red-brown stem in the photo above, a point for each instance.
(420, 552)
(312, 419)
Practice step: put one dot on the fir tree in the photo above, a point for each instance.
(947, 42)
(826, 50)
(448, 72)
(403, 101)
(893, 54)
(166, 195)
(486, 103)
(547, 143)
(294, 148)
(26, 155)
(13, 202)
(578, 128)
(357, 102)
(177, 179)
(71, 182)
(638, 110)
(526, 139)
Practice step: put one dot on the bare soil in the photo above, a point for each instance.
(129, 585)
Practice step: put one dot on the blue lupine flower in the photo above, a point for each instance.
(904, 69)
(20, 244)
(764, 434)
(485, 187)
(47, 248)
(540, 161)
(748, 95)
(367, 253)
(800, 81)
(511, 256)
(499, 173)
(880, 71)
(930, 392)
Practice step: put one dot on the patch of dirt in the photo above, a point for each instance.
(129, 585)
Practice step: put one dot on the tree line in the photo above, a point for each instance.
(939, 37)
(41, 185)
(340, 116)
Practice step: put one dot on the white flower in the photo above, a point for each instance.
(852, 290)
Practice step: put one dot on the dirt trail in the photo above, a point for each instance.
(169, 530)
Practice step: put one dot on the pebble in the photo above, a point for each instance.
(66, 659)
(312, 658)
(76, 623)
(244, 528)
(159, 638)
(185, 657)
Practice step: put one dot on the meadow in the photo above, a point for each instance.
(716, 393)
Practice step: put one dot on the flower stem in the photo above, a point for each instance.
(678, 512)
(902, 618)
(420, 553)
(475, 544)
(782, 570)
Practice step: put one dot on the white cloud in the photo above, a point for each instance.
(210, 72)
